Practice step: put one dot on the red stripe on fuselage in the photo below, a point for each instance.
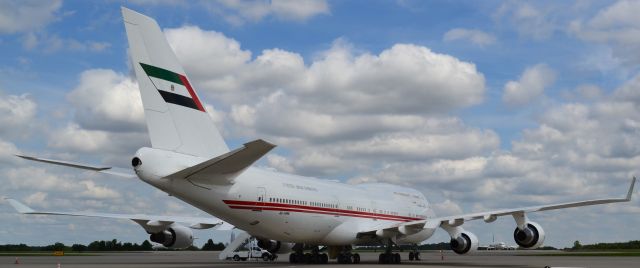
(314, 212)
(253, 205)
(192, 92)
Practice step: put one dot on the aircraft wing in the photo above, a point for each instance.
(102, 169)
(488, 216)
(146, 221)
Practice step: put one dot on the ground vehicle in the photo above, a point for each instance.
(252, 252)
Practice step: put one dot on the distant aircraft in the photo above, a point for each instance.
(189, 160)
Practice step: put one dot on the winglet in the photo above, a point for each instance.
(633, 183)
(21, 208)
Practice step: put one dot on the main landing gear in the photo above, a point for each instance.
(345, 256)
(388, 257)
(298, 256)
(414, 254)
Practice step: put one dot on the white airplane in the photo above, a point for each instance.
(189, 160)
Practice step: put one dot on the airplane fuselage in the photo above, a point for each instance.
(291, 208)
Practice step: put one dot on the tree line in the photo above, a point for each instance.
(102, 245)
(634, 244)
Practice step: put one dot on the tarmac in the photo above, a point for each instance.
(166, 259)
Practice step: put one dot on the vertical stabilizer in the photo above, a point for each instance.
(176, 118)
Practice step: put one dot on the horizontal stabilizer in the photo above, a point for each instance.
(222, 169)
(101, 169)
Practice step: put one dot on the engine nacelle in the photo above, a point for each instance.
(465, 242)
(275, 247)
(532, 236)
(176, 236)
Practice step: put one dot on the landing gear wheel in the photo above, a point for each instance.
(324, 258)
(396, 258)
(411, 256)
(265, 257)
(417, 256)
(236, 258)
(386, 258)
(292, 258)
(299, 258)
(308, 258)
(356, 258)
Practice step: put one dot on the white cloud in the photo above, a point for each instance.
(342, 104)
(106, 100)
(299, 10)
(17, 114)
(338, 79)
(527, 19)
(421, 145)
(208, 53)
(238, 12)
(616, 25)
(531, 84)
(113, 146)
(54, 43)
(8, 151)
(97, 192)
(27, 15)
(30, 41)
(477, 37)
(157, 2)
(37, 199)
(280, 163)
(447, 207)
(405, 78)
(39, 179)
(72, 137)
(578, 151)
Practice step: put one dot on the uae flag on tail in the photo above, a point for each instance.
(173, 87)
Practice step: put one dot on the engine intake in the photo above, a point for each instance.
(275, 247)
(532, 236)
(176, 236)
(464, 243)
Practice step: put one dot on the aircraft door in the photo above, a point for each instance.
(260, 196)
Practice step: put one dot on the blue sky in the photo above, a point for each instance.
(479, 104)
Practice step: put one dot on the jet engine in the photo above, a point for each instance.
(176, 236)
(275, 247)
(465, 242)
(532, 236)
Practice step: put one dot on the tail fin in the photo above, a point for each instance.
(176, 118)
